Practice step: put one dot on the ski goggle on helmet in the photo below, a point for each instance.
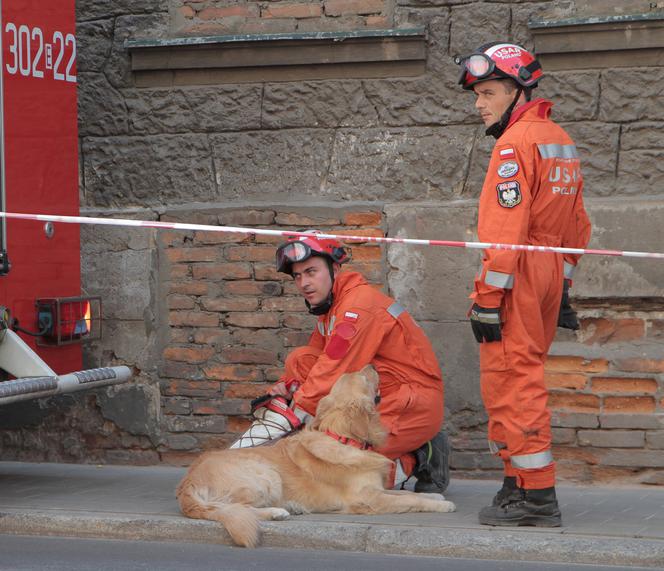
(499, 61)
(301, 248)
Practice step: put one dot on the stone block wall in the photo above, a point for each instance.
(205, 322)
(194, 17)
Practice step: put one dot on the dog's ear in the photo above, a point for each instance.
(365, 422)
(358, 418)
(370, 373)
(340, 386)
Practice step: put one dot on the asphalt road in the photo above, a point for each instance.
(19, 553)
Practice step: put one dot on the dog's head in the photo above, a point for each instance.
(350, 408)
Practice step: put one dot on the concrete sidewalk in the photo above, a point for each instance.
(602, 525)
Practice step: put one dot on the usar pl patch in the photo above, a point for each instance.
(509, 193)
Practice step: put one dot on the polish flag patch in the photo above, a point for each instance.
(507, 153)
(350, 316)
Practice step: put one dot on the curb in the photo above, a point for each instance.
(495, 544)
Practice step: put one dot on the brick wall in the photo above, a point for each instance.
(230, 17)
(606, 394)
(232, 319)
(608, 412)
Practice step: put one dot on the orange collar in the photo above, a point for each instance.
(541, 107)
(345, 281)
(349, 441)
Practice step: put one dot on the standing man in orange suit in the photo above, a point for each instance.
(532, 194)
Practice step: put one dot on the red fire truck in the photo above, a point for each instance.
(43, 318)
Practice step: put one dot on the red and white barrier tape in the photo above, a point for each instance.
(342, 237)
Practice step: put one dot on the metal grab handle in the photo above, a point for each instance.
(39, 387)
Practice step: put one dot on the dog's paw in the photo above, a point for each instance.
(295, 508)
(447, 507)
(279, 514)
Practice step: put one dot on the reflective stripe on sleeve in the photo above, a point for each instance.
(556, 151)
(395, 310)
(499, 279)
(568, 270)
(330, 327)
(531, 461)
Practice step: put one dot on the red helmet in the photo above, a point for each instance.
(499, 61)
(301, 248)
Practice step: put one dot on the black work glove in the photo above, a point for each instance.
(567, 316)
(485, 323)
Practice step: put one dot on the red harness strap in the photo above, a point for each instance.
(349, 441)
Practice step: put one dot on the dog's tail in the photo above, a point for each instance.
(240, 521)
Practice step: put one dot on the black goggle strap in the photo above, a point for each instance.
(526, 71)
(519, 91)
(498, 128)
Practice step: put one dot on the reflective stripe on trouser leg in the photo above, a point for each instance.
(399, 476)
(396, 477)
(532, 461)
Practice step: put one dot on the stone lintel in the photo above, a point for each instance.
(278, 57)
(597, 43)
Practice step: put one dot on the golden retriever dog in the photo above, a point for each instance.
(310, 471)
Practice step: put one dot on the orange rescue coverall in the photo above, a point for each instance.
(363, 327)
(532, 194)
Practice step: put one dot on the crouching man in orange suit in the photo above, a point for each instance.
(359, 326)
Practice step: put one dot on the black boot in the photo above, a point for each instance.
(509, 492)
(534, 507)
(433, 465)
